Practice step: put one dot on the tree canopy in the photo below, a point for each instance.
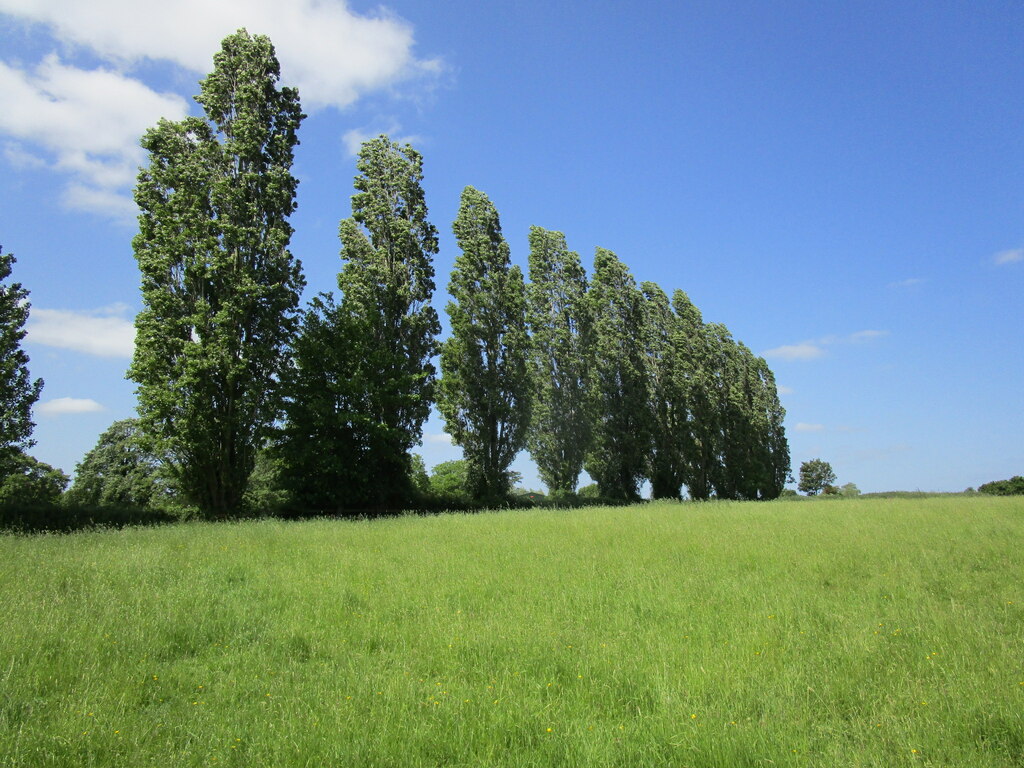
(815, 476)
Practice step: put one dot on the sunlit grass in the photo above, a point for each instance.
(859, 632)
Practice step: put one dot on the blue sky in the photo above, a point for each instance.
(841, 184)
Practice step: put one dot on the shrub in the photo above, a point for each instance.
(1012, 487)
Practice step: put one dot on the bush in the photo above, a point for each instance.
(27, 518)
(1012, 487)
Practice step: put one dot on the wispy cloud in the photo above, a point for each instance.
(784, 390)
(805, 427)
(353, 140)
(62, 405)
(862, 336)
(102, 332)
(805, 350)
(816, 348)
(1008, 257)
(438, 438)
(910, 282)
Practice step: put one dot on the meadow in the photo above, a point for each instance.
(861, 632)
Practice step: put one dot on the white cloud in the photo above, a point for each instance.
(1008, 257)
(805, 350)
(105, 202)
(331, 53)
(87, 123)
(805, 427)
(439, 438)
(784, 390)
(102, 332)
(63, 405)
(813, 349)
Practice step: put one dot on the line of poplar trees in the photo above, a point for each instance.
(600, 375)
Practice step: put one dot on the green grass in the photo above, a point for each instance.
(850, 633)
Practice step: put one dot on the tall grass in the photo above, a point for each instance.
(864, 632)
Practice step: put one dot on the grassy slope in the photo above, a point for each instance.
(841, 633)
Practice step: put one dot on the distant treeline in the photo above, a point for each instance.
(248, 401)
(1012, 487)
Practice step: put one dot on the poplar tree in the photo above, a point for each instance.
(560, 361)
(220, 289)
(18, 392)
(484, 391)
(701, 440)
(620, 385)
(669, 406)
(387, 282)
(771, 460)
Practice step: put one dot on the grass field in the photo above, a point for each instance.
(839, 633)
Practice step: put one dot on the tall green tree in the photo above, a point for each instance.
(387, 282)
(620, 387)
(484, 393)
(220, 289)
(755, 453)
(560, 361)
(700, 441)
(669, 405)
(771, 432)
(18, 392)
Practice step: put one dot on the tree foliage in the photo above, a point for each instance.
(220, 289)
(120, 471)
(670, 415)
(716, 405)
(620, 386)
(815, 476)
(449, 480)
(387, 282)
(484, 393)
(1012, 487)
(18, 392)
(325, 438)
(560, 361)
(27, 483)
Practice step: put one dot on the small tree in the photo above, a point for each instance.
(815, 476)
(120, 471)
(450, 481)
